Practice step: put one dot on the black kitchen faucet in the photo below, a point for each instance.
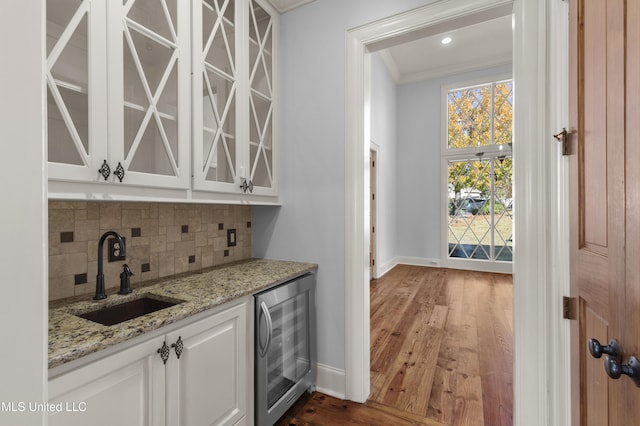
(100, 293)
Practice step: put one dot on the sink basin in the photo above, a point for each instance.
(129, 310)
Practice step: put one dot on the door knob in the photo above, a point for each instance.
(612, 349)
(614, 369)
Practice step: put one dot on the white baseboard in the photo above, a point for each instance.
(418, 261)
(472, 265)
(406, 260)
(386, 267)
(331, 381)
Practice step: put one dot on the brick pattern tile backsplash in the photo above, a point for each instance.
(162, 240)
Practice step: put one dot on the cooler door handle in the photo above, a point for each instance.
(265, 311)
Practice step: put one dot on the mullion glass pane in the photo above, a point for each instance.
(470, 122)
(503, 113)
(469, 117)
(503, 216)
(480, 216)
(59, 14)
(154, 58)
(151, 15)
(61, 148)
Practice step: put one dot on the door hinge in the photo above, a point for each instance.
(563, 138)
(569, 308)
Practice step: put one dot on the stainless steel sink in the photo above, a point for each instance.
(116, 314)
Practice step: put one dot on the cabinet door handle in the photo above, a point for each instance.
(178, 346)
(105, 170)
(119, 172)
(265, 312)
(164, 352)
(246, 184)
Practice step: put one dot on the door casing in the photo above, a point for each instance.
(539, 281)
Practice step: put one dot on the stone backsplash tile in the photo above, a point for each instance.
(162, 240)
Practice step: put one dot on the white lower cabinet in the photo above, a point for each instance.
(127, 388)
(208, 384)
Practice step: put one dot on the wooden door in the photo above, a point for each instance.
(605, 219)
(372, 213)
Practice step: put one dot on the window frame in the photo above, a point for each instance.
(444, 131)
(457, 154)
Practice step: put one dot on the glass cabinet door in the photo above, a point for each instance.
(73, 134)
(261, 27)
(233, 91)
(148, 89)
(215, 92)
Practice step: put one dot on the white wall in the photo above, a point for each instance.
(311, 224)
(23, 253)
(419, 119)
(384, 134)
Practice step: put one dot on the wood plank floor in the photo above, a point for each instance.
(441, 353)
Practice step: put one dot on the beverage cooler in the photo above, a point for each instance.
(285, 347)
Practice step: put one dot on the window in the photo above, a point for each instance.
(478, 163)
(480, 116)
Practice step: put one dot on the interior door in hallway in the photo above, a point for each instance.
(373, 157)
(605, 203)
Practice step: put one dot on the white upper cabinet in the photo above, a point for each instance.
(76, 124)
(175, 96)
(118, 92)
(233, 96)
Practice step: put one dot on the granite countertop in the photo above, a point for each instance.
(72, 337)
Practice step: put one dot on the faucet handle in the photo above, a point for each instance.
(126, 270)
(125, 283)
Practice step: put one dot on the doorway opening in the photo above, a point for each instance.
(420, 23)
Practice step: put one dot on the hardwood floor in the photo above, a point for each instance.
(441, 353)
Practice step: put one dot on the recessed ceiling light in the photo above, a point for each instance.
(446, 40)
